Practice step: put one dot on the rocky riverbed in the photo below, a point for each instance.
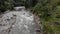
(18, 22)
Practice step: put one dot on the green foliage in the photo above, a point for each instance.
(49, 13)
(9, 4)
(6, 5)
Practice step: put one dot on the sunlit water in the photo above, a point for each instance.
(18, 22)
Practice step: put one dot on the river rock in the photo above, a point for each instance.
(18, 22)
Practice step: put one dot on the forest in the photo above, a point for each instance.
(47, 10)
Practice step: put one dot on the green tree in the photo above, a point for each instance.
(6, 5)
(9, 4)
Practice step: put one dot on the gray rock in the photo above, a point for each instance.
(18, 22)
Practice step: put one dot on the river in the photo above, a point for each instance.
(18, 22)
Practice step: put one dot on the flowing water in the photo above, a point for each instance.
(18, 22)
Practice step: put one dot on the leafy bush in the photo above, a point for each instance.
(6, 5)
(49, 13)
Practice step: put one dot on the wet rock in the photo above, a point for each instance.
(18, 22)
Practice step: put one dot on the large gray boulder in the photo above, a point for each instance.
(18, 22)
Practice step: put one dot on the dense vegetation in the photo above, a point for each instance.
(48, 11)
(9, 4)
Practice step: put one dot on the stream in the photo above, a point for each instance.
(18, 21)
